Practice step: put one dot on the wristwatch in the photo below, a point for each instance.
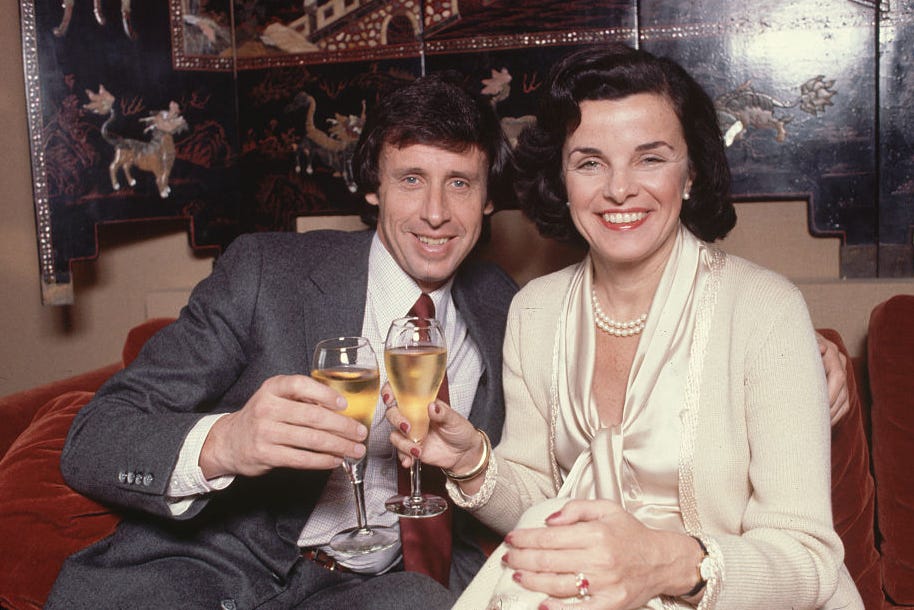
(704, 568)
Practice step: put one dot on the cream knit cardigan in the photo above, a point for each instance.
(755, 465)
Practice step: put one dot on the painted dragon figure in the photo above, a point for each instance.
(744, 108)
(157, 155)
(333, 148)
(126, 24)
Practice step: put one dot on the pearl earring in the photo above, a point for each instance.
(686, 195)
(567, 204)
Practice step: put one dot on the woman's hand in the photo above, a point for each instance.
(452, 442)
(625, 563)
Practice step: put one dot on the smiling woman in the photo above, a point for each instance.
(627, 171)
(637, 432)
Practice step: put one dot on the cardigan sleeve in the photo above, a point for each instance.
(524, 463)
(779, 548)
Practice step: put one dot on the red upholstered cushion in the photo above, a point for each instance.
(43, 520)
(17, 410)
(853, 491)
(890, 353)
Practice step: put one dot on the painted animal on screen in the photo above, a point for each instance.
(333, 148)
(745, 108)
(61, 30)
(156, 155)
(498, 88)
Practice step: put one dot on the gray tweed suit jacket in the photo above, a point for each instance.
(270, 298)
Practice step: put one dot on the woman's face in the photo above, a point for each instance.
(626, 168)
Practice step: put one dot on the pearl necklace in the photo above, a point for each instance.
(608, 325)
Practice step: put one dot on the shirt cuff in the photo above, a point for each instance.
(187, 481)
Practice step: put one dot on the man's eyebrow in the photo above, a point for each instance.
(408, 170)
(420, 171)
(464, 175)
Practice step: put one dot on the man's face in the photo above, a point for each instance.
(431, 203)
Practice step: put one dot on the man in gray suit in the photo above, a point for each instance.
(224, 455)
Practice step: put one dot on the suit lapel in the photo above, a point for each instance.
(337, 291)
(485, 414)
(332, 298)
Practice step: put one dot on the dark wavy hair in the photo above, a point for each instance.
(612, 72)
(435, 110)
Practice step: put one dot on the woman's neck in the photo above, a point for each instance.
(626, 291)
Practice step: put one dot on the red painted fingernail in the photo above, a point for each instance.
(404, 427)
(554, 515)
(414, 452)
(542, 607)
(504, 558)
(385, 396)
(437, 409)
(508, 539)
(516, 577)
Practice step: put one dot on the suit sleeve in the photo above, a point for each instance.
(123, 446)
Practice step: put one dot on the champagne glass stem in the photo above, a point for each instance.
(355, 470)
(415, 480)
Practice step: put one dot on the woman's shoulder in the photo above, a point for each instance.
(743, 271)
(758, 288)
(546, 289)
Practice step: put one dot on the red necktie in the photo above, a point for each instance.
(427, 541)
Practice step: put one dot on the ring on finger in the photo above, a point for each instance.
(582, 585)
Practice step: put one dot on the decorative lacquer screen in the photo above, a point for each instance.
(242, 116)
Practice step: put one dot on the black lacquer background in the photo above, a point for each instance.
(236, 169)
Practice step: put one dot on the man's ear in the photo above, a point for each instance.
(372, 198)
(489, 208)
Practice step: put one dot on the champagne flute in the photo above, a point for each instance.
(349, 366)
(415, 355)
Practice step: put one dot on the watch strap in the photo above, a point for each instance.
(701, 580)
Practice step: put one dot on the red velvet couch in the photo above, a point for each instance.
(42, 520)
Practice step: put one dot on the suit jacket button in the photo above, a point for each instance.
(122, 476)
(130, 478)
(147, 479)
(227, 604)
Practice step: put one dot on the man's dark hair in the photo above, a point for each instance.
(434, 110)
(612, 72)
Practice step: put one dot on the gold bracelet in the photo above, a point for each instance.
(476, 470)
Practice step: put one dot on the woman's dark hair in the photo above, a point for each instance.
(435, 110)
(613, 72)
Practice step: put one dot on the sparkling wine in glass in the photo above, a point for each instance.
(349, 366)
(415, 356)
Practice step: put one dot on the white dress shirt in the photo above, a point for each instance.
(391, 293)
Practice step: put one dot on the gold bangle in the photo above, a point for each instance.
(481, 466)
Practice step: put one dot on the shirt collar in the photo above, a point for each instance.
(393, 292)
